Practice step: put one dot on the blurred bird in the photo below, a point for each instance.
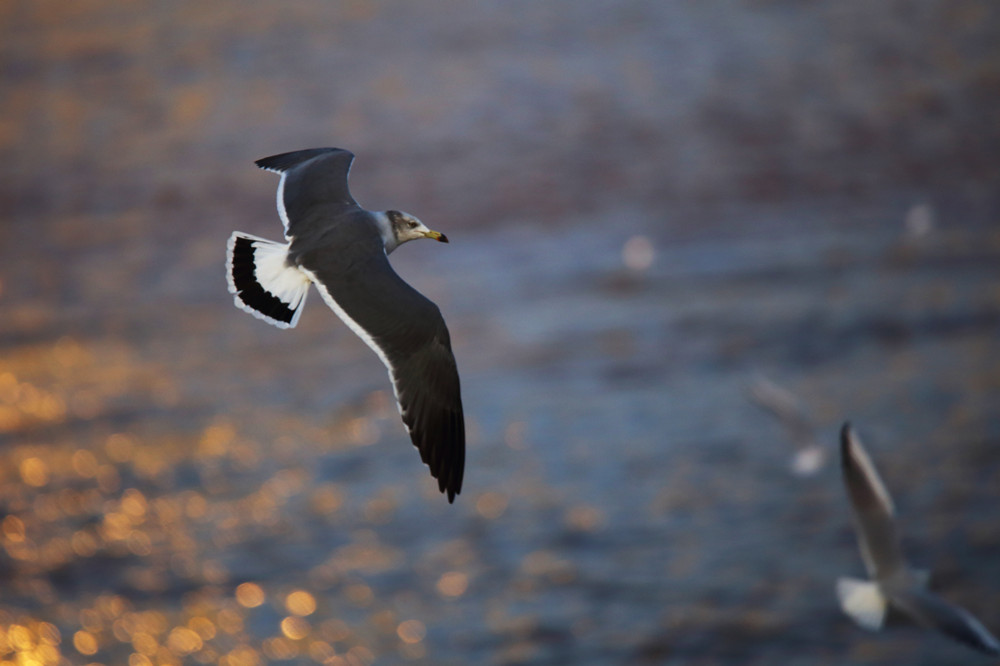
(919, 221)
(892, 581)
(343, 249)
(810, 455)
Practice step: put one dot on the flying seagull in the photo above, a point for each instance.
(892, 581)
(810, 455)
(343, 249)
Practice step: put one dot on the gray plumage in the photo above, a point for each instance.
(343, 249)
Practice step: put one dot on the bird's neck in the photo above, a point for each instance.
(384, 226)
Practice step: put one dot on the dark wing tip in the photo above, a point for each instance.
(439, 436)
(447, 453)
(846, 435)
(285, 161)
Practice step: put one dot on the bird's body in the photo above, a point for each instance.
(892, 582)
(343, 249)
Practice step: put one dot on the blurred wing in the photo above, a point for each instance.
(312, 181)
(407, 332)
(933, 612)
(871, 506)
(784, 406)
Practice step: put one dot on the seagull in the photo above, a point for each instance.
(892, 581)
(343, 249)
(810, 455)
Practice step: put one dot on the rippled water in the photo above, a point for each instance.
(181, 483)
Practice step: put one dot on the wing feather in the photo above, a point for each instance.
(408, 333)
(311, 180)
(871, 507)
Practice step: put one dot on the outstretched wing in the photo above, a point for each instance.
(313, 188)
(407, 332)
(933, 612)
(872, 508)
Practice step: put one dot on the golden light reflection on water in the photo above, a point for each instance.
(34, 643)
(452, 584)
(34, 471)
(411, 631)
(47, 384)
(585, 518)
(184, 641)
(279, 648)
(300, 603)
(85, 642)
(491, 505)
(295, 628)
(103, 505)
(249, 595)
(360, 594)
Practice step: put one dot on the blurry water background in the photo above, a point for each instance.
(650, 205)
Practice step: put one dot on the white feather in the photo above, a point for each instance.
(282, 213)
(287, 283)
(863, 602)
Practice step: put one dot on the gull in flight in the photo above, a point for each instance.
(343, 249)
(892, 582)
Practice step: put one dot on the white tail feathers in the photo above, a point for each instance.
(262, 282)
(863, 602)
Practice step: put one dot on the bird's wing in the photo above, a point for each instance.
(784, 406)
(871, 507)
(312, 180)
(406, 331)
(933, 612)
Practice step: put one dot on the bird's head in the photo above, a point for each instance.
(406, 227)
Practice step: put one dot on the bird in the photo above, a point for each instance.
(893, 582)
(341, 248)
(810, 455)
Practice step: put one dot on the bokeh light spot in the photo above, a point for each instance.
(84, 642)
(83, 543)
(411, 631)
(294, 627)
(300, 603)
(203, 627)
(249, 595)
(49, 633)
(145, 643)
(229, 621)
(119, 447)
(182, 640)
(491, 505)
(12, 528)
(638, 253)
(452, 584)
(326, 499)
(241, 656)
(20, 638)
(360, 594)
(321, 651)
(585, 518)
(35, 472)
(279, 648)
(85, 463)
(137, 659)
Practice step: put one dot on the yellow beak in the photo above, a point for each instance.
(436, 235)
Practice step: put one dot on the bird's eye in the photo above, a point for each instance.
(413, 225)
